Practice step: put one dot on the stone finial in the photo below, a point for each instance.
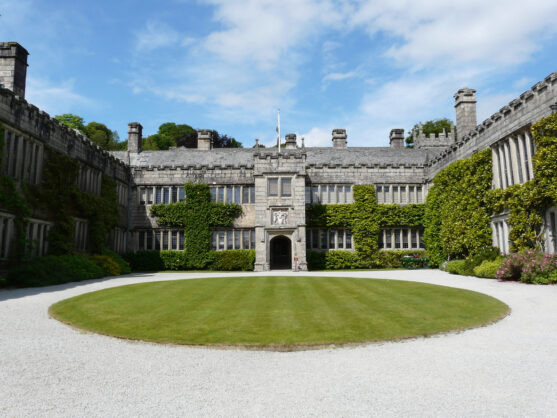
(396, 138)
(339, 138)
(204, 139)
(135, 137)
(256, 142)
(290, 141)
(13, 67)
(465, 106)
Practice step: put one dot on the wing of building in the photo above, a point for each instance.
(273, 188)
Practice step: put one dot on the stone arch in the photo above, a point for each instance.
(280, 253)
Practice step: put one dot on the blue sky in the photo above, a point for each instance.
(366, 66)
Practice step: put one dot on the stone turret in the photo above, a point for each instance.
(13, 67)
(396, 138)
(135, 137)
(290, 141)
(205, 139)
(441, 140)
(465, 106)
(339, 138)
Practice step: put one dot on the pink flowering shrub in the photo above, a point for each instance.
(529, 267)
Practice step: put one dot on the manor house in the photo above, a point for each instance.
(273, 186)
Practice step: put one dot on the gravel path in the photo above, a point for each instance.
(506, 369)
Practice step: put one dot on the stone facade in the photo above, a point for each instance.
(274, 187)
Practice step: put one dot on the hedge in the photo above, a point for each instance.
(228, 260)
(345, 260)
(51, 270)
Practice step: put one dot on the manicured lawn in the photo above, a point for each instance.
(277, 311)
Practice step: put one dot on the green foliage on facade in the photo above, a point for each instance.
(365, 218)
(526, 203)
(458, 209)
(197, 215)
(12, 200)
(62, 200)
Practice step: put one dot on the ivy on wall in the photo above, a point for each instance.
(365, 218)
(14, 202)
(59, 196)
(527, 203)
(197, 215)
(458, 209)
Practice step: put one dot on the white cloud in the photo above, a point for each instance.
(316, 137)
(263, 31)
(56, 98)
(439, 33)
(159, 35)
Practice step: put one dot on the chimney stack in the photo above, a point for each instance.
(465, 105)
(135, 139)
(13, 67)
(204, 139)
(339, 138)
(290, 141)
(396, 138)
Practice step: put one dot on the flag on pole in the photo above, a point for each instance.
(278, 131)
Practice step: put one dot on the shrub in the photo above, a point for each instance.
(511, 267)
(488, 268)
(316, 260)
(538, 268)
(455, 267)
(50, 270)
(474, 260)
(343, 260)
(146, 260)
(109, 266)
(124, 265)
(3, 281)
(174, 260)
(242, 260)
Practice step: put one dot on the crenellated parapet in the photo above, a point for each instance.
(18, 114)
(441, 140)
(531, 106)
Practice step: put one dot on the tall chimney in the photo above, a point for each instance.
(204, 139)
(290, 141)
(465, 105)
(339, 138)
(13, 67)
(135, 139)
(396, 138)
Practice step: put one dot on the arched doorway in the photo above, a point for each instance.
(281, 253)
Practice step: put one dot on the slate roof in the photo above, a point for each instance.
(245, 156)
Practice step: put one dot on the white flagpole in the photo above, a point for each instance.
(278, 131)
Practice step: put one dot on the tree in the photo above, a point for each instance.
(171, 134)
(97, 132)
(430, 127)
(72, 121)
(101, 135)
(224, 141)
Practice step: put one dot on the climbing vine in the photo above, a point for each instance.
(458, 209)
(365, 218)
(527, 203)
(59, 195)
(197, 215)
(12, 200)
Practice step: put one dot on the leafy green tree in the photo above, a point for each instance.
(97, 132)
(72, 121)
(430, 127)
(225, 141)
(101, 135)
(171, 134)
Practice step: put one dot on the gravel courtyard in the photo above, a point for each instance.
(505, 369)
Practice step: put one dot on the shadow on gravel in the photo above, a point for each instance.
(16, 293)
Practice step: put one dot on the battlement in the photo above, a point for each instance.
(441, 140)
